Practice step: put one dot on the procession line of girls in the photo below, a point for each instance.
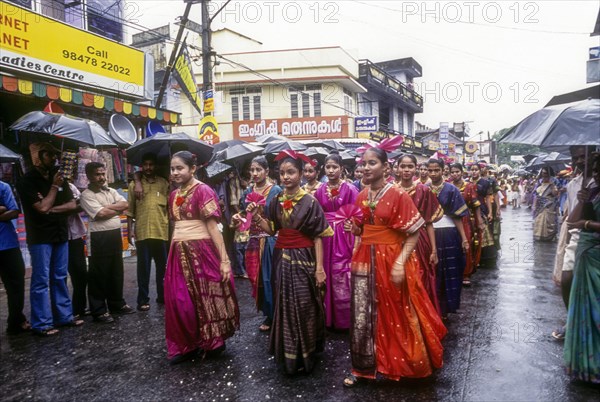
(390, 285)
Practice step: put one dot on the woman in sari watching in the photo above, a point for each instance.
(337, 250)
(201, 309)
(545, 206)
(431, 211)
(396, 331)
(298, 331)
(582, 342)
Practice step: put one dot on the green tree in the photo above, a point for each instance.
(505, 150)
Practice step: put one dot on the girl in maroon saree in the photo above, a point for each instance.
(298, 331)
(201, 309)
(431, 211)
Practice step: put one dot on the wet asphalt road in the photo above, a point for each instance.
(498, 348)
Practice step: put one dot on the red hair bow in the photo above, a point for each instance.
(288, 153)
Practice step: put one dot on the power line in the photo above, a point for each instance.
(477, 23)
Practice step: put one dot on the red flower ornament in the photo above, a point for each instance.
(335, 192)
(287, 204)
(179, 201)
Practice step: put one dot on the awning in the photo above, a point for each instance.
(82, 98)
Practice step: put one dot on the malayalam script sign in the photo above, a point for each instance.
(366, 124)
(321, 127)
(34, 44)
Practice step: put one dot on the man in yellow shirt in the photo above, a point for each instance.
(147, 221)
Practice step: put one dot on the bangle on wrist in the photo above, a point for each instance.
(56, 186)
(586, 224)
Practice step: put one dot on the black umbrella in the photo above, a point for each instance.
(84, 131)
(557, 127)
(164, 145)
(276, 147)
(216, 168)
(331, 144)
(348, 157)
(318, 153)
(264, 139)
(226, 144)
(6, 155)
(240, 153)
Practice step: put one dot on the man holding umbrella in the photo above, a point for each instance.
(47, 200)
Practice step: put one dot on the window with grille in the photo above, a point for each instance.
(310, 96)
(246, 103)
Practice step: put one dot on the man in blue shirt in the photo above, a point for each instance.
(12, 269)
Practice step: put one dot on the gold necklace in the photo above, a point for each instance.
(436, 189)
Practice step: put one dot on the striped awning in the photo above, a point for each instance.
(82, 98)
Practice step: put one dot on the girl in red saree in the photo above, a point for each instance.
(201, 309)
(473, 222)
(431, 211)
(396, 331)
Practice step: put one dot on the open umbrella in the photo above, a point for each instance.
(6, 155)
(83, 131)
(317, 153)
(271, 138)
(278, 146)
(240, 153)
(216, 168)
(331, 144)
(163, 145)
(226, 144)
(557, 127)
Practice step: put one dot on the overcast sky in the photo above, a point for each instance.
(491, 63)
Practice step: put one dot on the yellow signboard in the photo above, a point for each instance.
(208, 130)
(34, 44)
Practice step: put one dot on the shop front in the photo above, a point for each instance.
(49, 65)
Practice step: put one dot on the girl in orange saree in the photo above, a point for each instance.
(396, 331)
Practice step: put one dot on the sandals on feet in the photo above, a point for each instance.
(25, 326)
(559, 334)
(466, 282)
(73, 323)
(45, 332)
(143, 307)
(350, 381)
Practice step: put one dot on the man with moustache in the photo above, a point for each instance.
(104, 205)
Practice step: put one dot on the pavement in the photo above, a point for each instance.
(498, 348)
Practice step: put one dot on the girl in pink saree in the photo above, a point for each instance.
(201, 309)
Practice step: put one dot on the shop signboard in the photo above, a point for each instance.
(184, 74)
(444, 135)
(208, 130)
(37, 45)
(307, 127)
(366, 124)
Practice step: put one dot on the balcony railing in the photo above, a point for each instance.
(369, 69)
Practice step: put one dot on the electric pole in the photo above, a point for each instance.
(206, 48)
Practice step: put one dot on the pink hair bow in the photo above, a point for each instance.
(257, 199)
(391, 144)
(288, 153)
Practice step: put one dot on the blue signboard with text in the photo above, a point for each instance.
(366, 124)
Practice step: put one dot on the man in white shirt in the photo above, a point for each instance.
(104, 205)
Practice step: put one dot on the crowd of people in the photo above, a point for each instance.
(382, 254)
